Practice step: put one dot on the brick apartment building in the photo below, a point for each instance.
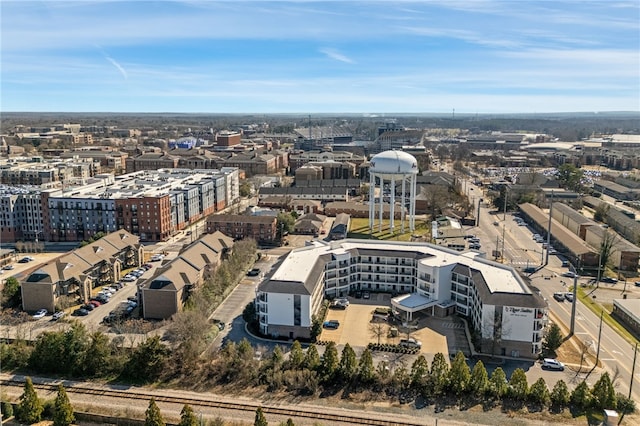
(261, 228)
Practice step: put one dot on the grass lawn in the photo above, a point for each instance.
(360, 229)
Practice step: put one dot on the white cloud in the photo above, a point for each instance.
(334, 54)
(118, 66)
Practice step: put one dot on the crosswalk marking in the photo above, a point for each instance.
(452, 325)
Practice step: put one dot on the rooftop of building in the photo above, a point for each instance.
(301, 263)
(146, 183)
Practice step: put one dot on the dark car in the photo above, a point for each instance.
(366, 295)
(332, 324)
(80, 312)
(254, 272)
(609, 280)
(88, 307)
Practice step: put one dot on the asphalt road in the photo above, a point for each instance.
(520, 250)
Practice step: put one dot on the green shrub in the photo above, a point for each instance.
(7, 409)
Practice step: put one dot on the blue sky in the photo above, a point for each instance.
(474, 56)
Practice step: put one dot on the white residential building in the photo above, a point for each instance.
(500, 307)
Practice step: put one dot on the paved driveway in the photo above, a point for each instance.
(357, 322)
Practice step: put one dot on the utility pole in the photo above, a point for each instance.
(599, 266)
(504, 212)
(633, 368)
(599, 335)
(546, 262)
(503, 250)
(574, 303)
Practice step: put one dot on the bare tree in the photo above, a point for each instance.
(607, 249)
(377, 330)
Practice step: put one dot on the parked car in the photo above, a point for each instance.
(57, 315)
(366, 295)
(609, 280)
(637, 283)
(254, 272)
(475, 246)
(410, 343)
(41, 313)
(129, 278)
(552, 364)
(331, 324)
(157, 257)
(558, 296)
(336, 304)
(95, 303)
(7, 267)
(88, 307)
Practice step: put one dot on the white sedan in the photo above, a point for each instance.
(40, 314)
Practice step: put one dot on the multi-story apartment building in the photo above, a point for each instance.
(497, 303)
(35, 171)
(150, 204)
(261, 228)
(20, 213)
(299, 159)
(74, 275)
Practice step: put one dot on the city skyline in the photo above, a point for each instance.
(280, 57)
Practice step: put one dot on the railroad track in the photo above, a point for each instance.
(138, 394)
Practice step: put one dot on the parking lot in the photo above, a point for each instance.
(443, 335)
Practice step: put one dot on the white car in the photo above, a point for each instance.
(157, 257)
(410, 343)
(552, 364)
(40, 314)
(129, 278)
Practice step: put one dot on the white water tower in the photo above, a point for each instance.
(393, 167)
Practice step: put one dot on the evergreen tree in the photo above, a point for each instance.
(459, 375)
(296, 356)
(479, 381)
(187, 416)
(539, 393)
(560, 395)
(29, 409)
(75, 343)
(603, 395)
(498, 383)
(552, 340)
(518, 386)
(277, 357)
(366, 372)
(153, 417)
(148, 361)
(625, 405)
(63, 413)
(439, 374)
(260, 419)
(330, 361)
(348, 367)
(311, 358)
(419, 373)
(581, 397)
(97, 355)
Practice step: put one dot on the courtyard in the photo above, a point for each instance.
(358, 327)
